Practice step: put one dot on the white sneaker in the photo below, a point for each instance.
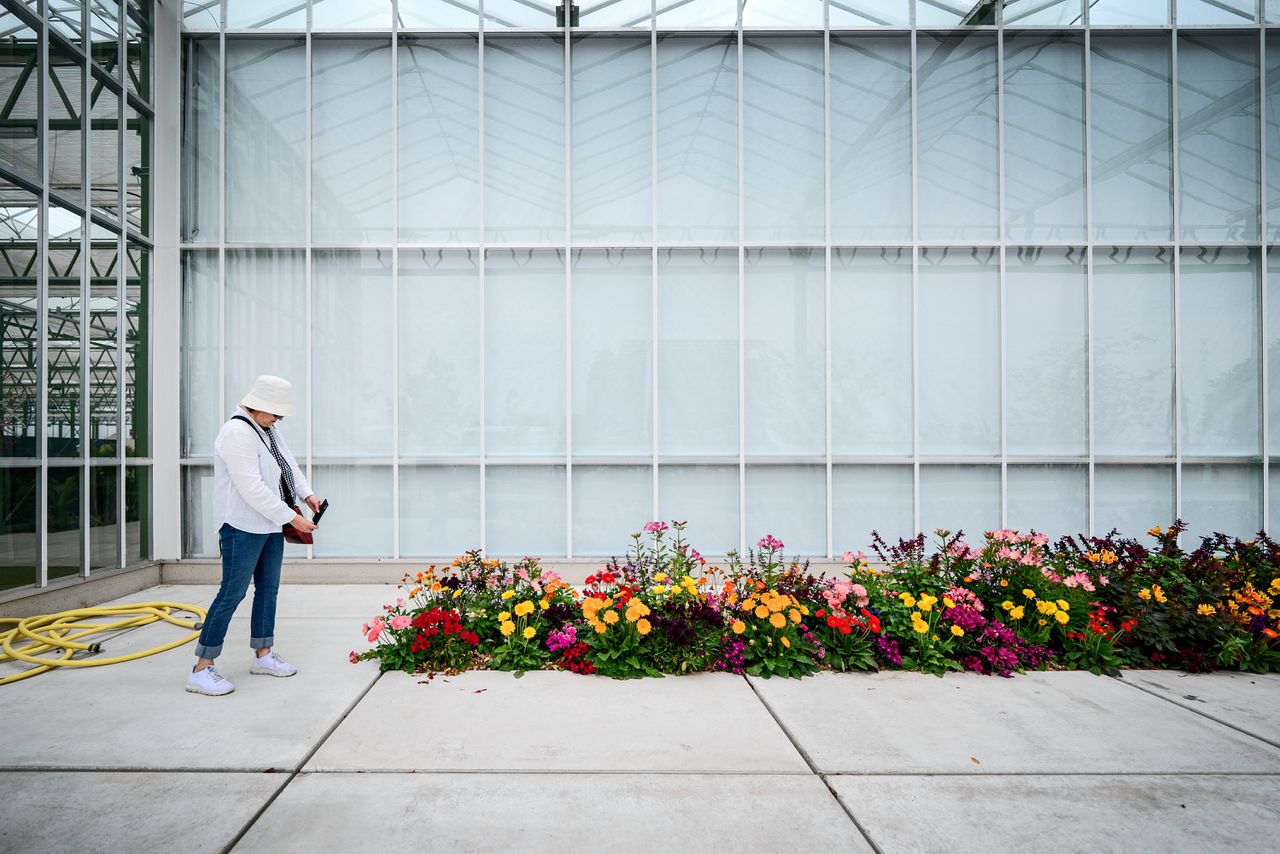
(272, 664)
(209, 681)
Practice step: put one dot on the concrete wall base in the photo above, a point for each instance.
(70, 593)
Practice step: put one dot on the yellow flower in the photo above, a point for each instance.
(1029, 593)
(738, 627)
(794, 614)
(804, 609)
(611, 617)
(632, 615)
(507, 594)
(786, 642)
(659, 589)
(1043, 623)
(1007, 605)
(529, 631)
(508, 629)
(504, 616)
(1061, 617)
(1108, 558)
(777, 621)
(920, 626)
(957, 631)
(524, 609)
(1156, 531)
(1158, 593)
(600, 627)
(1004, 583)
(544, 603)
(748, 604)
(908, 600)
(660, 576)
(761, 611)
(1144, 594)
(1017, 613)
(644, 626)
(457, 593)
(948, 602)
(1092, 557)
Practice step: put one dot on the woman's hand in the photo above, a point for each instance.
(314, 503)
(302, 524)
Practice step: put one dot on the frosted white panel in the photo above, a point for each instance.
(870, 137)
(1272, 132)
(1053, 500)
(1128, 12)
(697, 139)
(266, 14)
(783, 139)
(440, 325)
(351, 14)
(359, 523)
(956, 136)
(518, 14)
(439, 139)
(524, 139)
(610, 503)
(199, 536)
(266, 140)
(789, 502)
(612, 139)
(870, 498)
(1221, 375)
(1273, 350)
(782, 13)
(1195, 13)
(201, 139)
(1132, 138)
(1218, 136)
(959, 351)
(350, 141)
(785, 360)
(1044, 134)
(1131, 499)
(524, 352)
(200, 414)
(262, 337)
(439, 510)
(870, 13)
(524, 511)
(351, 353)
(1223, 499)
(614, 13)
(698, 13)
(707, 498)
(432, 15)
(1066, 13)
(871, 351)
(959, 498)
(1046, 351)
(1273, 523)
(698, 351)
(612, 351)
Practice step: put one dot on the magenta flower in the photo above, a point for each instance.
(769, 543)
(655, 527)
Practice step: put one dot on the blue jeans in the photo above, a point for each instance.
(244, 556)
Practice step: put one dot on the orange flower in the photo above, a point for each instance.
(786, 642)
(1271, 633)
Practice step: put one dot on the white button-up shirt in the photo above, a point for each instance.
(246, 478)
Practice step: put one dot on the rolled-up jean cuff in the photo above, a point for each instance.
(210, 652)
(262, 643)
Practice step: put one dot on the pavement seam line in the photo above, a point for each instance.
(804, 754)
(302, 763)
(1202, 714)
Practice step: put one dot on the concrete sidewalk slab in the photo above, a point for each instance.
(1040, 723)
(126, 811)
(1247, 701)
(553, 814)
(556, 721)
(1120, 814)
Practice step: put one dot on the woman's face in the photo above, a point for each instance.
(265, 419)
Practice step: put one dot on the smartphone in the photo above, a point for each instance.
(324, 505)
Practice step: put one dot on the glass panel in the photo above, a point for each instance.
(439, 92)
(612, 349)
(1223, 499)
(1132, 351)
(104, 150)
(201, 14)
(434, 15)
(1273, 523)
(1132, 138)
(19, 322)
(359, 523)
(698, 352)
(782, 139)
(20, 90)
(1218, 136)
(351, 141)
(1130, 12)
(200, 139)
(521, 14)
(610, 503)
(870, 498)
(19, 489)
(785, 359)
(614, 13)
(138, 48)
(350, 14)
(1052, 500)
(524, 511)
(612, 136)
(1220, 380)
(138, 514)
(266, 14)
(871, 351)
(1130, 499)
(697, 139)
(1194, 13)
(869, 13)
(102, 354)
(266, 330)
(266, 140)
(65, 16)
(1271, 11)
(199, 537)
(678, 14)
(351, 349)
(1046, 364)
(104, 34)
(200, 415)
(65, 401)
(524, 139)
(65, 536)
(956, 87)
(65, 151)
(1272, 132)
(440, 357)
(959, 318)
(707, 498)
(960, 498)
(104, 517)
(969, 13)
(782, 13)
(871, 138)
(524, 360)
(1044, 137)
(789, 502)
(137, 176)
(1056, 12)
(439, 510)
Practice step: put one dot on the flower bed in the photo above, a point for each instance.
(1014, 603)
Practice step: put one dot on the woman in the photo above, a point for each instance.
(253, 471)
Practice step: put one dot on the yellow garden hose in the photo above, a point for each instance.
(52, 639)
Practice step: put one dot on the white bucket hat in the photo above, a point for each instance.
(270, 394)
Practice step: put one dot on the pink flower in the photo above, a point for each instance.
(354, 658)
(769, 543)
(694, 556)
(849, 557)
(400, 621)
(523, 574)
(372, 637)
(655, 527)
(399, 603)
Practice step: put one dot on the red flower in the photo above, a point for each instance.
(607, 578)
(354, 657)
(820, 613)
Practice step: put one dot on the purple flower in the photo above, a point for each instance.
(888, 649)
